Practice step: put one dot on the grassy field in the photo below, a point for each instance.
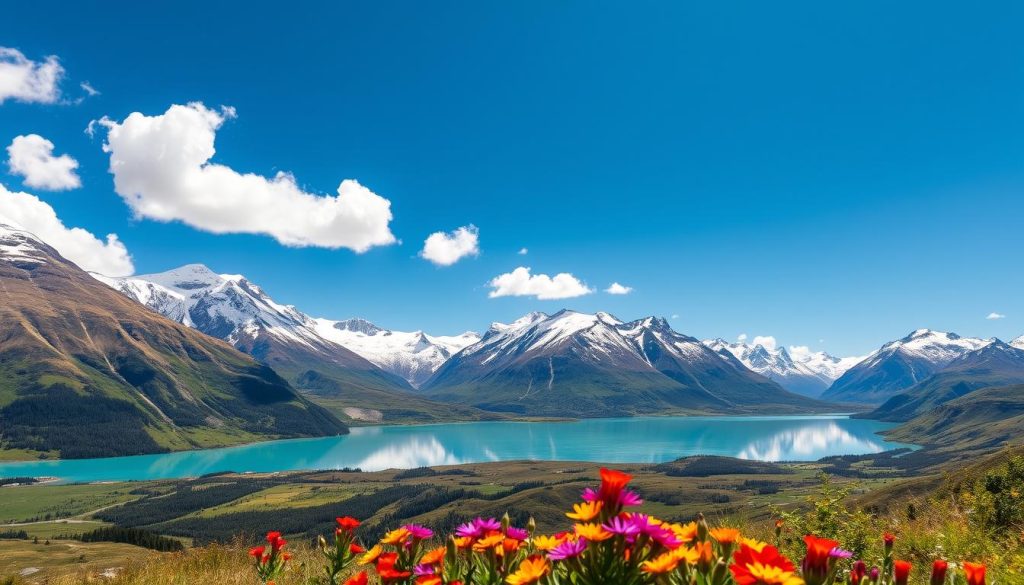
(35, 562)
(52, 502)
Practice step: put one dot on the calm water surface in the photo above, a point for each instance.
(619, 440)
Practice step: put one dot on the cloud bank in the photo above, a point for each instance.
(520, 283)
(25, 80)
(445, 249)
(28, 212)
(32, 157)
(162, 170)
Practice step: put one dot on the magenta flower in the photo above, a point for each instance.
(517, 533)
(630, 498)
(568, 549)
(423, 570)
(643, 523)
(419, 532)
(622, 526)
(665, 537)
(487, 525)
(469, 529)
(589, 495)
(838, 553)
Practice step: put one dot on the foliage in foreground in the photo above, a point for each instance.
(607, 544)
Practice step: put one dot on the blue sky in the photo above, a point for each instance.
(834, 176)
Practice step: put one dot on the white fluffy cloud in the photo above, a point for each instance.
(162, 170)
(28, 212)
(25, 80)
(520, 283)
(445, 249)
(994, 316)
(32, 157)
(523, 251)
(618, 289)
(741, 337)
(765, 341)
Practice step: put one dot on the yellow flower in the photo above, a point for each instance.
(725, 535)
(757, 545)
(592, 532)
(685, 532)
(662, 563)
(586, 511)
(770, 575)
(396, 536)
(371, 555)
(463, 542)
(530, 571)
(546, 543)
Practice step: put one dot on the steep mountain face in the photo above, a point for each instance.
(360, 370)
(87, 372)
(413, 356)
(900, 364)
(996, 364)
(806, 373)
(576, 364)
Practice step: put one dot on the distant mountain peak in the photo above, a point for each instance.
(808, 373)
(1018, 342)
(19, 246)
(359, 326)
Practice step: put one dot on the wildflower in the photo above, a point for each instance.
(975, 573)
(592, 532)
(662, 563)
(433, 557)
(901, 572)
(939, 569)
(725, 535)
(419, 532)
(257, 551)
(371, 555)
(423, 569)
(463, 542)
(355, 549)
(664, 536)
(686, 533)
(546, 543)
(396, 536)
(757, 545)
(690, 556)
(612, 484)
(889, 539)
(386, 568)
(818, 562)
(484, 544)
(838, 553)
(568, 549)
(767, 567)
(874, 574)
(586, 511)
(360, 579)
(428, 580)
(517, 533)
(530, 571)
(630, 499)
(857, 572)
(276, 541)
(347, 523)
(621, 526)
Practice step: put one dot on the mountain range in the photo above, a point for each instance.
(86, 372)
(806, 373)
(580, 364)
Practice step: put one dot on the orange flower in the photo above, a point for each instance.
(489, 542)
(764, 567)
(975, 573)
(662, 563)
(396, 536)
(688, 555)
(592, 532)
(685, 532)
(371, 555)
(586, 511)
(818, 551)
(428, 580)
(463, 542)
(530, 571)
(433, 557)
(901, 572)
(725, 535)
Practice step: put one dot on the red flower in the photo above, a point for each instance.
(612, 484)
(975, 573)
(273, 535)
(901, 569)
(818, 552)
(347, 523)
(386, 568)
(749, 566)
(939, 568)
(257, 551)
(359, 579)
(889, 538)
(356, 549)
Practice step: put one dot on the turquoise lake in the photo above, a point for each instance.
(619, 440)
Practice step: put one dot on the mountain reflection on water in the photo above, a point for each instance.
(622, 440)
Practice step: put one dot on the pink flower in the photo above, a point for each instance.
(622, 526)
(419, 532)
(568, 549)
(517, 533)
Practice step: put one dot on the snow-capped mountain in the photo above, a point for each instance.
(232, 308)
(803, 371)
(900, 364)
(21, 248)
(414, 356)
(582, 364)
(1018, 343)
